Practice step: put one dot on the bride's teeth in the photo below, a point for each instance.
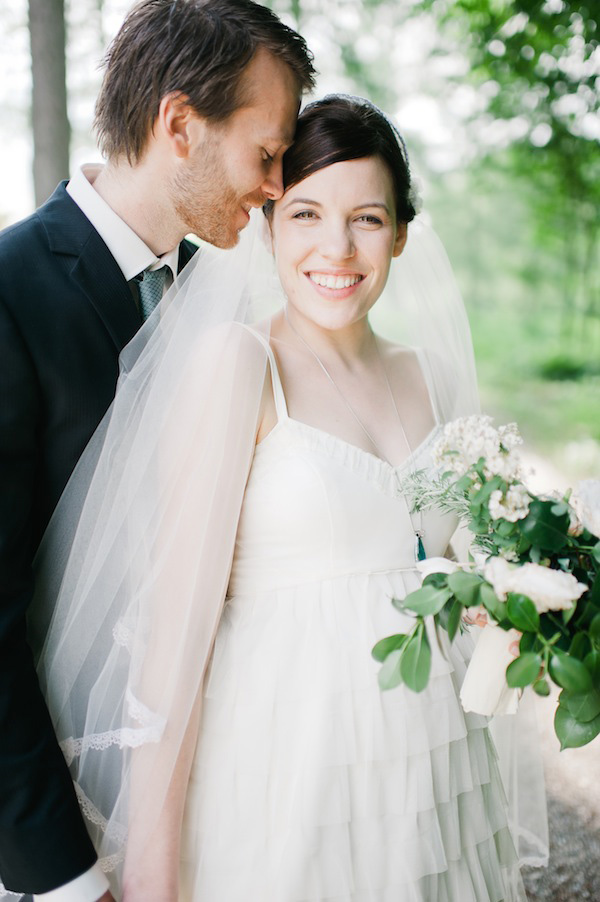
(335, 282)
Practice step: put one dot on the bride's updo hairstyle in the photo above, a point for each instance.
(340, 128)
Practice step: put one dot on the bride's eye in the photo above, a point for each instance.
(305, 214)
(369, 219)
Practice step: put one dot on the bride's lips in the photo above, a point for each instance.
(334, 284)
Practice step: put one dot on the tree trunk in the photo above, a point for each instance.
(51, 130)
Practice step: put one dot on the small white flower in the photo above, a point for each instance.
(548, 589)
(436, 565)
(586, 501)
(512, 507)
(466, 440)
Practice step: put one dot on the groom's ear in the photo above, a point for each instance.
(179, 124)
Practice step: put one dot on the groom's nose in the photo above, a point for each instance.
(272, 186)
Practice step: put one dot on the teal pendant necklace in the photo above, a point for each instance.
(419, 548)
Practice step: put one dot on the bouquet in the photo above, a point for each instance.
(533, 575)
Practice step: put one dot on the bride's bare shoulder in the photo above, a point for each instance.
(402, 359)
(405, 368)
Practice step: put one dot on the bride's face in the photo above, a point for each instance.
(334, 235)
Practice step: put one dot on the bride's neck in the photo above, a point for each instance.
(350, 346)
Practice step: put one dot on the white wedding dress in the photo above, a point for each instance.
(309, 783)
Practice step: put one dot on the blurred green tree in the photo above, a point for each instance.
(538, 65)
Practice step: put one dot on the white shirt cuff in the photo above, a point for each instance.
(88, 887)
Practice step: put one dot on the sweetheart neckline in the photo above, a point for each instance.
(336, 439)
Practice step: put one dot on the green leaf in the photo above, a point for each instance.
(569, 673)
(463, 484)
(486, 490)
(583, 706)
(415, 663)
(492, 603)
(571, 733)
(454, 619)
(389, 676)
(524, 670)
(423, 601)
(542, 688)
(384, 647)
(580, 646)
(543, 528)
(465, 587)
(527, 642)
(595, 591)
(596, 552)
(559, 509)
(595, 628)
(592, 662)
(436, 579)
(522, 612)
(568, 613)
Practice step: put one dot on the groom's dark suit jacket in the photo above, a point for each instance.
(66, 312)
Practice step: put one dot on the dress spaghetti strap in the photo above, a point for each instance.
(278, 393)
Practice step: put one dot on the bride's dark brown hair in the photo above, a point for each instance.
(340, 128)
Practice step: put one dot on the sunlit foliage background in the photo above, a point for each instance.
(498, 102)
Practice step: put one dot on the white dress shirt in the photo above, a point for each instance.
(130, 252)
(132, 256)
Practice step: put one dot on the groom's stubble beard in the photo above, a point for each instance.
(206, 201)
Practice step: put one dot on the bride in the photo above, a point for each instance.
(225, 556)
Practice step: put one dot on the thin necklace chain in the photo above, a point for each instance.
(418, 531)
(345, 400)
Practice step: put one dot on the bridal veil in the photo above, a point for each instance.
(133, 570)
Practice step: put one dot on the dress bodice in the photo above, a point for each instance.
(317, 507)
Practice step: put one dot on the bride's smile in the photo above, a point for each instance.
(334, 236)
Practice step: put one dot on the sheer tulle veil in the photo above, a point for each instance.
(133, 569)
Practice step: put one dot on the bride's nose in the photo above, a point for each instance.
(338, 242)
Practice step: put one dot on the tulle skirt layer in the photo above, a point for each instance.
(311, 784)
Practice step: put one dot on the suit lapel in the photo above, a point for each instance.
(104, 285)
(95, 271)
(187, 249)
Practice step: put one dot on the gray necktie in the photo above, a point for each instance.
(151, 289)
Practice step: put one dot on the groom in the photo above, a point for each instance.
(198, 104)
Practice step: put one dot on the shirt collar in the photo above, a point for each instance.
(130, 252)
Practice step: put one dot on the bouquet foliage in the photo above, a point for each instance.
(534, 569)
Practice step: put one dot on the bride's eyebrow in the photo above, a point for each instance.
(374, 203)
(302, 200)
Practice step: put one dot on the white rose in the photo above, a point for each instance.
(497, 571)
(436, 565)
(549, 590)
(586, 501)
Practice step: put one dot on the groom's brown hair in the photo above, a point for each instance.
(196, 48)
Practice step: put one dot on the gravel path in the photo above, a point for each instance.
(573, 787)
